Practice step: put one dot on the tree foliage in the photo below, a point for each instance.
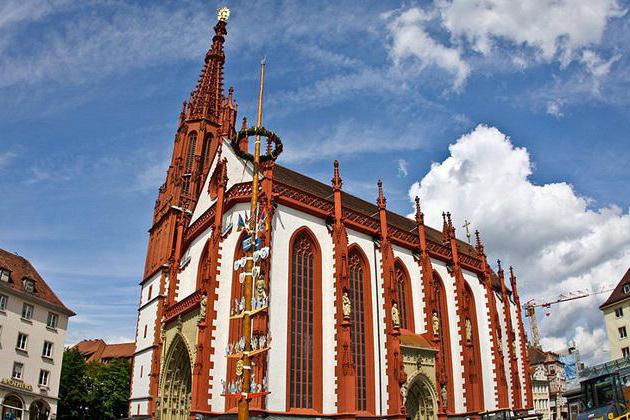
(93, 390)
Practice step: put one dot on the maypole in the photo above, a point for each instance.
(252, 346)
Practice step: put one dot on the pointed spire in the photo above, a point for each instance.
(499, 269)
(245, 143)
(419, 214)
(336, 181)
(381, 199)
(513, 282)
(206, 98)
(446, 235)
(479, 244)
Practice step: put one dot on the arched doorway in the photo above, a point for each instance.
(39, 410)
(12, 408)
(176, 383)
(420, 402)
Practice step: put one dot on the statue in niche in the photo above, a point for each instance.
(261, 293)
(395, 316)
(444, 394)
(436, 324)
(468, 329)
(346, 305)
(202, 309)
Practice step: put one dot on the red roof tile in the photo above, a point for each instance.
(618, 294)
(99, 350)
(20, 269)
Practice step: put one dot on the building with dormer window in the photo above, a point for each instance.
(33, 323)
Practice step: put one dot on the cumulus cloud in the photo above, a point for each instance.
(557, 240)
(554, 28)
(410, 39)
(530, 31)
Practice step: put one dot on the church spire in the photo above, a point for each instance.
(205, 99)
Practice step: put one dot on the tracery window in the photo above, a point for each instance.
(361, 335)
(304, 370)
(404, 296)
(190, 157)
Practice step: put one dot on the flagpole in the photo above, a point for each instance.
(246, 326)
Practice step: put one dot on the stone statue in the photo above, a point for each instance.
(395, 316)
(202, 309)
(468, 329)
(444, 394)
(261, 293)
(436, 324)
(346, 305)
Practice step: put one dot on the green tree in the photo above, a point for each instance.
(72, 392)
(93, 390)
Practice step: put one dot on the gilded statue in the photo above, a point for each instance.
(395, 316)
(436, 324)
(346, 305)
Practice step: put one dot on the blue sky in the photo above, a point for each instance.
(90, 93)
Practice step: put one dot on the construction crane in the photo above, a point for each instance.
(531, 305)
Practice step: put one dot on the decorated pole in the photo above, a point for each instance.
(251, 348)
(243, 405)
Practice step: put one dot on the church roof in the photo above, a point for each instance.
(297, 180)
(618, 294)
(22, 269)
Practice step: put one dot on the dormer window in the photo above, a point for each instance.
(29, 285)
(5, 275)
(626, 288)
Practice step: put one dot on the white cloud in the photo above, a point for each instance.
(411, 40)
(552, 236)
(403, 168)
(554, 28)
(553, 108)
(6, 157)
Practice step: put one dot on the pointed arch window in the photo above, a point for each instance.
(405, 305)
(190, 157)
(304, 370)
(361, 330)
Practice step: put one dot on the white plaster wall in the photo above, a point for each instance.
(378, 318)
(415, 277)
(140, 391)
(456, 348)
(224, 294)
(147, 313)
(504, 345)
(236, 170)
(485, 342)
(519, 355)
(187, 278)
(286, 222)
(146, 317)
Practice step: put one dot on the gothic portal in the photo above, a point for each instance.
(176, 383)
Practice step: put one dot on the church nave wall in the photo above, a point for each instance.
(373, 259)
(415, 274)
(456, 350)
(485, 341)
(189, 266)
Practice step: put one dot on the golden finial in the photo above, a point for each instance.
(223, 14)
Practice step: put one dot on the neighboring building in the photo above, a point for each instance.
(540, 391)
(617, 318)
(556, 380)
(99, 351)
(33, 323)
(371, 314)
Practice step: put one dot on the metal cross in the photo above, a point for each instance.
(465, 226)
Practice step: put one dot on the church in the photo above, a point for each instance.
(352, 311)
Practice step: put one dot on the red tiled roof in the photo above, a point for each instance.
(120, 350)
(319, 189)
(409, 339)
(21, 268)
(99, 350)
(618, 295)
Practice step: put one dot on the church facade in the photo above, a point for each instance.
(357, 312)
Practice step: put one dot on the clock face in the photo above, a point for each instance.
(223, 14)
